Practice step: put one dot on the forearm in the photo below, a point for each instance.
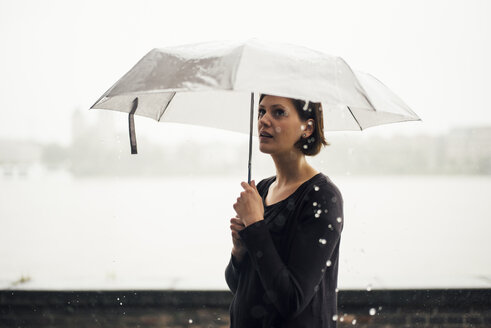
(281, 286)
(232, 275)
(290, 286)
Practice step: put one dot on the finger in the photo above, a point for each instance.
(245, 185)
(236, 227)
(236, 221)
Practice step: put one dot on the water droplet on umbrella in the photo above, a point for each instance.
(314, 204)
(328, 263)
(316, 188)
(341, 319)
(322, 241)
(335, 317)
(319, 212)
(379, 308)
(334, 199)
(190, 320)
(120, 303)
(330, 226)
(336, 290)
(339, 219)
(305, 146)
(325, 211)
(353, 322)
(323, 270)
(372, 311)
(369, 287)
(317, 215)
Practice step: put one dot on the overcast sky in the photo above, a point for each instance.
(61, 55)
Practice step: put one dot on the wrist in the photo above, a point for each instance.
(252, 221)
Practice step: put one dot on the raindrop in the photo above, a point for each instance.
(314, 204)
(219, 318)
(118, 298)
(339, 219)
(316, 188)
(328, 263)
(353, 322)
(325, 211)
(341, 319)
(379, 308)
(369, 287)
(190, 320)
(305, 146)
(319, 211)
(323, 270)
(309, 123)
(316, 215)
(334, 199)
(322, 241)
(120, 303)
(330, 226)
(336, 290)
(335, 317)
(372, 311)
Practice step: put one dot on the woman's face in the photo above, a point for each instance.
(278, 118)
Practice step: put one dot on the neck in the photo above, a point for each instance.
(291, 168)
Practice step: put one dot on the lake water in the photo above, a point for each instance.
(173, 232)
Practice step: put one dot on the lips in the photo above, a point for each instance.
(265, 134)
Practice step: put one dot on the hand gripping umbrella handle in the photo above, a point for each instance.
(131, 122)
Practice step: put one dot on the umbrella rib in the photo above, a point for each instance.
(166, 106)
(354, 117)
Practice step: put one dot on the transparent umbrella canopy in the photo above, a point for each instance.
(217, 84)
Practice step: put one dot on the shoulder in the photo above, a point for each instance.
(322, 202)
(322, 188)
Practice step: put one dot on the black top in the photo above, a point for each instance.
(289, 276)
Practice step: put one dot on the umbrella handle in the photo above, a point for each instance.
(250, 140)
(131, 122)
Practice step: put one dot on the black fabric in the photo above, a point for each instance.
(285, 279)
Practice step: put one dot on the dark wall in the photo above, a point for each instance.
(450, 308)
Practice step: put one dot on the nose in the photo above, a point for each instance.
(264, 120)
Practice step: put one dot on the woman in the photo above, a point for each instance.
(284, 263)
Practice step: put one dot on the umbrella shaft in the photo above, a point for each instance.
(250, 139)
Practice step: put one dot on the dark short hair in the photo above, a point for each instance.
(314, 111)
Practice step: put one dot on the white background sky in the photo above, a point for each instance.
(60, 55)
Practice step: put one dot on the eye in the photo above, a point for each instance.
(279, 112)
(261, 112)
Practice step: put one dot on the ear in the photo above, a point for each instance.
(309, 127)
